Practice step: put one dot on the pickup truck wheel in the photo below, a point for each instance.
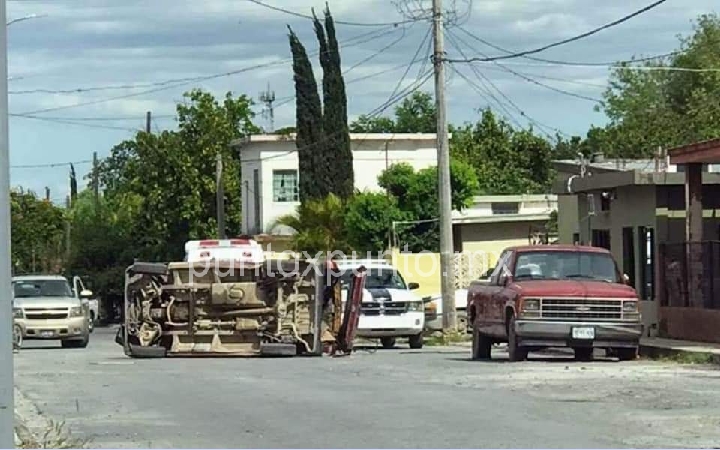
(388, 342)
(416, 341)
(627, 354)
(481, 345)
(515, 352)
(91, 323)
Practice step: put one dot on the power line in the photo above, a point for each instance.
(70, 122)
(569, 63)
(564, 41)
(38, 166)
(341, 22)
(169, 84)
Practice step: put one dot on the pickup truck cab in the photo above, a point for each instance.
(555, 296)
(389, 309)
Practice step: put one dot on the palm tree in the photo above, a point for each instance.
(319, 226)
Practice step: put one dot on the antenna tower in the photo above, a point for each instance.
(268, 98)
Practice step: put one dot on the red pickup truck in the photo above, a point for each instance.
(555, 296)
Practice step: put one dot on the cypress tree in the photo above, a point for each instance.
(339, 159)
(310, 138)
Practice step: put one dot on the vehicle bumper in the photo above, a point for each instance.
(433, 321)
(539, 333)
(71, 328)
(408, 324)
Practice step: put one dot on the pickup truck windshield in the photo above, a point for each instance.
(559, 265)
(378, 278)
(41, 288)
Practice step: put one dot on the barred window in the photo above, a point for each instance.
(285, 186)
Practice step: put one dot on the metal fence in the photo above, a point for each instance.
(690, 274)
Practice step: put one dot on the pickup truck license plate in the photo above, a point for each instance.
(47, 333)
(583, 333)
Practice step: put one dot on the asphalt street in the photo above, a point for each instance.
(400, 398)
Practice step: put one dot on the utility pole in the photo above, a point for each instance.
(447, 275)
(96, 183)
(220, 198)
(68, 231)
(148, 122)
(268, 97)
(7, 405)
(47, 194)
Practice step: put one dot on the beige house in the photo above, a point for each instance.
(637, 212)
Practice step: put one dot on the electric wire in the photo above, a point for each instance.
(564, 41)
(341, 22)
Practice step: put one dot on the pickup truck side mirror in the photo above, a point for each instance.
(626, 279)
(86, 294)
(413, 286)
(506, 280)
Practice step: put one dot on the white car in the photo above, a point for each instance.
(390, 309)
(92, 303)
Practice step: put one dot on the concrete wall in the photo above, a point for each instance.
(422, 268)
(567, 218)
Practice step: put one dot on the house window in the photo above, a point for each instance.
(505, 207)
(285, 186)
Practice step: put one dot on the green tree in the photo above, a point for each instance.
(318, 225)
(37, 234)
(506, 161)
(368, 220)
(173, 173)
(338, 159)
(656, 107)
(416, 114)
(314, 176)
(416, 194)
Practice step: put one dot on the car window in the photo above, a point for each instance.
(561, 265)
(41, 288)
(378, 278)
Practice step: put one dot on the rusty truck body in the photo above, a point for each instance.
(274, 308)
(555, 296)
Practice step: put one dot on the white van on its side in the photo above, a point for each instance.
(389, 308)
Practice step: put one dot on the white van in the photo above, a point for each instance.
(389, 308)
(241, 250)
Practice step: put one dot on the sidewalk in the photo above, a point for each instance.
(655, 347)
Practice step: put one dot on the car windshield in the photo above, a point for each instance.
(559, 265)
(378, 278)
(41, 288)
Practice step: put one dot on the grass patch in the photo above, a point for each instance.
(685, 358)
(449, 338)
(54, 436)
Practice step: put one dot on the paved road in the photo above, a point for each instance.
(433, 398)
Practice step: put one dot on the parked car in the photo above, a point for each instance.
(555, 296)
(45, 307)
(389, 309)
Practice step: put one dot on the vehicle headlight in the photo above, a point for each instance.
(76, 311)
(630, 306)
(18, 313)
(531, 304)
(414, 306)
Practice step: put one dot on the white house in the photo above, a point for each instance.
(269, 170)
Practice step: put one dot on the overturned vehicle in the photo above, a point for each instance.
(274, 308)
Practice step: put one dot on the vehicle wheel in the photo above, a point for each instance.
(627, 354)
(82, 343)
(388, 342)
(17, 337)
(515, 352)
(583, 353)
(416, 341)
(481, 345)
(91, 324)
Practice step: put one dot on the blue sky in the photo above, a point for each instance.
(99, 43)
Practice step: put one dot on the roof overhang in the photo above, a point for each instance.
(706, 152)
(631, 178)
(354, 137)
(500, 218)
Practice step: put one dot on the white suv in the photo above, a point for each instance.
(389, 309)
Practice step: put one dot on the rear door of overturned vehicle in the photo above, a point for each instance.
(280, 307)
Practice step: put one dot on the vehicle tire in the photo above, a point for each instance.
(481, 345)
(416, 341)
(627, 354)
(583, 353)
(79, 343)
(91, 323)
(388, 342)
(137, 351)
(17, 337)
(515, 352)
(278, 349)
